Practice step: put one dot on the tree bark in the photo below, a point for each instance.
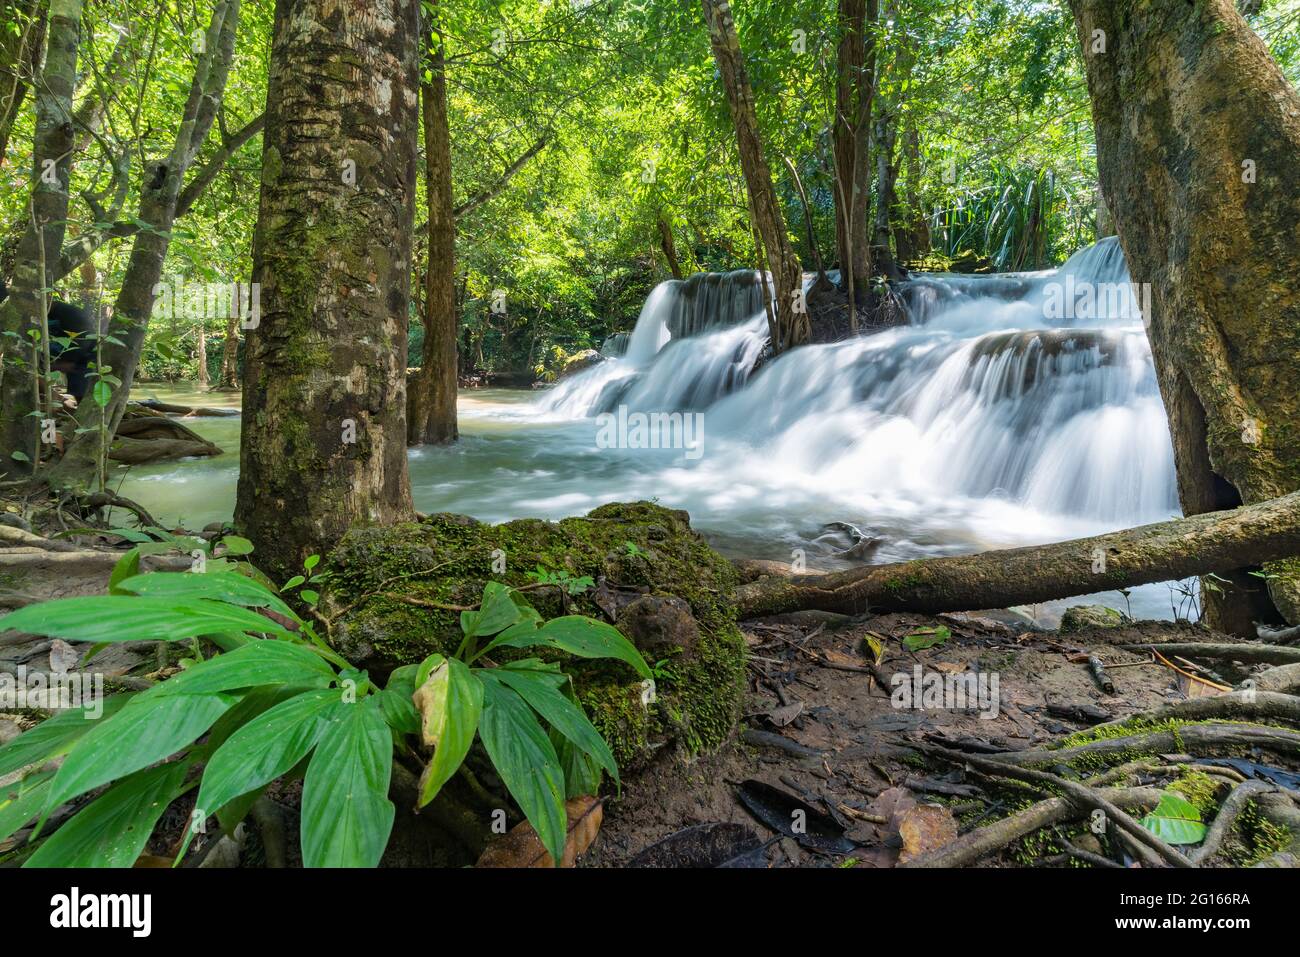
(886, 176)
(855, 88)
(229, 379)
(20, 52)
(1165, 551)
(24, 311)
(159, 201)
(791, 326)
(202, 357)
(669, 247)
(323, 446)
(1197, 137)
(432, 399)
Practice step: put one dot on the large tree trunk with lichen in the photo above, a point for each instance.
(229, 378)
(1198, 545)
(855, 85)
(159, 200)
(431, 418)
(1197, 137)
(22, 315)
(790, 326)
(324, 438)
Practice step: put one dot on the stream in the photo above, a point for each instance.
(1009, 412)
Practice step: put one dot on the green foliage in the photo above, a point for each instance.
(278, 702)
(1175, 821)
(511, 707)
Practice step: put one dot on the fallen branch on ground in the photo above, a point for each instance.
(1196, 545)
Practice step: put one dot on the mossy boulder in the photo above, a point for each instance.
(627, 550)
(1083, 617)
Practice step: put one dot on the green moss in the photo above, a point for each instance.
(1201, 791)
(1260, 838)
(446, 559)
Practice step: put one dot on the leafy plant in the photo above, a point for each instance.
(924, 638)
(562, 579)
(524, 711)
(278, 702)
(1175, 820)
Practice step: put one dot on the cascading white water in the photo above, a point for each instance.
(1034, 388)
(1015, 409)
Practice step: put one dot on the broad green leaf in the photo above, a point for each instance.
(127, 618)
(127, 567)
(112, 830)
(497, 612)
(256, 663)
(22, 801)
(559, 712)
(265, 748)
(57, 735)
(398, 711)
(924, 638)
(236, 545)
(523, 755)
(346, 814)
(1175, 821)
(450, 703)
(586, 638)
(581, 772)
(224, 586)
(142, 733)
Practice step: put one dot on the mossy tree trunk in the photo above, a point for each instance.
(1197, 137)
(432, 400)
(324, 438)
(160, 199)
(790, 326)
(22, 316)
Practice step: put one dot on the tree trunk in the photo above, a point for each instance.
(1197, 137)
(20, 51)
(1164, 551)
(669, 247)
(913, 239)
(432, 402)
(202, 357)
(791, 321)
(159, 199)
(323, 446)
(230, 356)
(25, 309)
(855, 68)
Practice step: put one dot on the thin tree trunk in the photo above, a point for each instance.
(230, 356)
(855, 88)
(669, 247)
(25, 309)
(202, 357)
(432, 400)
(765, 210)
(20, 54)
(159, 200)
(1197, 137)
(323, 446)
(1164, 551)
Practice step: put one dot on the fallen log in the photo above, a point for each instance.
(173, 409)
(132, 451)
(1181, 548)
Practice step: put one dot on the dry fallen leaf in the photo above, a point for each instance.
(520, 846)
(925, 827)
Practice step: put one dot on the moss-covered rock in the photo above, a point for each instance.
(1083, 617)
(626, 549)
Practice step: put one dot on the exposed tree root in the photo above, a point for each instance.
(1245, 651)
(1198, 739)
(1229, 811)
(1249, 705)
(977, 845)
(1284, 679)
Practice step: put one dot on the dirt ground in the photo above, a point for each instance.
(860, 746)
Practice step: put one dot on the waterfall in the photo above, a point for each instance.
(1037, 389)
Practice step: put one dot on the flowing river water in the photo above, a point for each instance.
(1014, 409)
